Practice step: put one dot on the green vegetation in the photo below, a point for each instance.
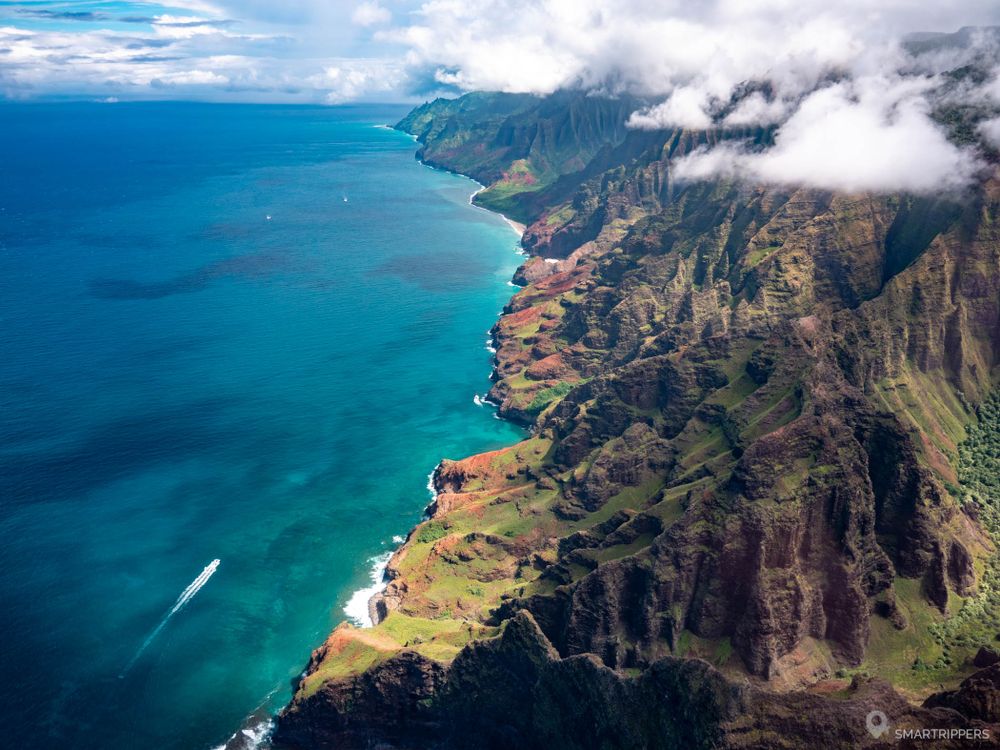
(977, 622)
(349, 651)
(891, 652)
(431, 532)
(979, 464)
(546, 396)
(756, 256)
(934, 649)
(411, 632)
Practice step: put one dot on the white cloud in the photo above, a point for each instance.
(183, 27)
(371, 14)
(195, 6)
(654, 46)
(991, 131)
(685, 108)
(725, 160)
(757, 109)
(872, 134)
(349, 79)
(180, 56)
(193, 77)
(992, 89)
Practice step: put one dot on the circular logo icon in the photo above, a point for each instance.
(877, 723)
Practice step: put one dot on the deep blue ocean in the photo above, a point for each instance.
(233, 333)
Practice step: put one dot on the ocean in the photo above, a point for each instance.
(234, 341)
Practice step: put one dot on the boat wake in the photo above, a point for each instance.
(186, 595)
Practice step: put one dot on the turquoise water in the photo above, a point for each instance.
(183, 379)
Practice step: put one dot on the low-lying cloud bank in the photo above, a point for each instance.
(850, 101)
(868, 134)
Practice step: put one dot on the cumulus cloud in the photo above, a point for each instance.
(371, 14)
(867, 135)
(191, 77)
(350, 79)
(991, 131)
(756, 109)
(686, 108)
(105, 62)
(871, 134)
(653, 46)
(198, 50)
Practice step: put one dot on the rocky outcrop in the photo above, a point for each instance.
(387, 703)
(978, 696)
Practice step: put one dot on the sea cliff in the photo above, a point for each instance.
(759, 497)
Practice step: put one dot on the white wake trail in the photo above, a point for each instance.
(186, 595)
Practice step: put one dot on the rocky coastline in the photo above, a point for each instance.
(744, 516)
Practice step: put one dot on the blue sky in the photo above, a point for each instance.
(331, 51)
(239, 50)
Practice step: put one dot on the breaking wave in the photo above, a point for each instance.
(356, 608)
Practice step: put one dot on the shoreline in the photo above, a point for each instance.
(362, 608)
(515, 225)
(358, 607)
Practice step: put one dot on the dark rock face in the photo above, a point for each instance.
(986, 657)
(387, 703)
(977, 697)
(517, 691)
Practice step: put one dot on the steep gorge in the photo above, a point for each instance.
(741, 519)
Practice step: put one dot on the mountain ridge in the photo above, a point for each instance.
(743, 491)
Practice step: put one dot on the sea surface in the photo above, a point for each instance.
(242, 334)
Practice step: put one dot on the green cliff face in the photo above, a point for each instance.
(757, 474)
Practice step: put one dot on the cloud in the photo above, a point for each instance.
(103, 63)
(194, 6)
(239, 50)
(756, 109)
(654, 46)
(371, 14)
(990, 130)
(872, 134)
(686, 108)
(349, 79)
(191, 77)
(849, 103)
(185, 27)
